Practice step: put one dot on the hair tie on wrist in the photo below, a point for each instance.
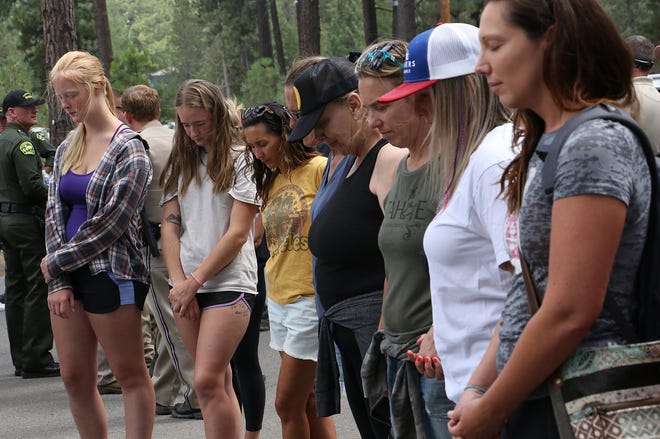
(196, 279)
(477, 388)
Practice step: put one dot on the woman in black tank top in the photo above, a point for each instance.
(349, 273)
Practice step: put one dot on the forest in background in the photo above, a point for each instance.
(245, 46)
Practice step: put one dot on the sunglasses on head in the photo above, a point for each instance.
(257, 111)
(643, 64)
(375, 59)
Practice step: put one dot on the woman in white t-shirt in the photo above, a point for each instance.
(470, 143)
(207, 227)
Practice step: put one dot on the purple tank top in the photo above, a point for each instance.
(72, 191)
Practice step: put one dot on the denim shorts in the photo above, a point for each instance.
(294, 328)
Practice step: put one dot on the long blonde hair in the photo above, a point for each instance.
(84, 69)
(464, 111)
(185, 157)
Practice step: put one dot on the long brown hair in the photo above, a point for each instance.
(586, 63)
(185, 157)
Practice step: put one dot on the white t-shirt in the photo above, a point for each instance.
(464, 246)
(205, 219)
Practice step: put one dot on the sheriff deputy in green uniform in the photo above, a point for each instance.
(23, 197)
(44, 148)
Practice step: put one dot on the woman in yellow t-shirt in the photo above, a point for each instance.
(287, 176)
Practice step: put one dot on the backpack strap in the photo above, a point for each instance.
(551, 159)
(646, 280)
(148, 234)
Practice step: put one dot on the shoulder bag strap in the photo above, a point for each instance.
(554, 381)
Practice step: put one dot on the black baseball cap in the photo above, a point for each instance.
(20, 98)
(322, 83)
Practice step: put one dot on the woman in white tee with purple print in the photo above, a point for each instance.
(209, 207)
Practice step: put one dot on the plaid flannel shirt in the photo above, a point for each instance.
(109, 240)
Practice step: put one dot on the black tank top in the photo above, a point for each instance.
(344, 238)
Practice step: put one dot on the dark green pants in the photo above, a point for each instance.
(26, 310)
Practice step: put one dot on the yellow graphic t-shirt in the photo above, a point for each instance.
(286, 221)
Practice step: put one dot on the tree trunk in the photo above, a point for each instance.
(103, 40)
(265, 46)
(277, 36)
(309, 27)
(630, 15)
(395, 18)
(445, 11)
(59, 28)
(225, 69)
(370, 21)
(223, 58)
(406, 20)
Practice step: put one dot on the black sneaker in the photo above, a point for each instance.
(112, 388)
(51, 370)
(163, 409)
(183, 410)
(264, 324)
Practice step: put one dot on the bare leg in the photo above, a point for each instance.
(76, 350)
(319, 428)
(294, 387)
(212, 342)
(120, 334)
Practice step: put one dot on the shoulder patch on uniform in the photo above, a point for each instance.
(26, 148)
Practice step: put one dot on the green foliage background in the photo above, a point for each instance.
(217, 40)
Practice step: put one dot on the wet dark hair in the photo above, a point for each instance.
(276, 118)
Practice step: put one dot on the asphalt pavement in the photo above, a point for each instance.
(37, 408)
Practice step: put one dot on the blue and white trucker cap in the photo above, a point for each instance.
(446, 51)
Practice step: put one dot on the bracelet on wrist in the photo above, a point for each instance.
(479, 389)
(196, 279)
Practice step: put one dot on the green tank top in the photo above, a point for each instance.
(409, 209)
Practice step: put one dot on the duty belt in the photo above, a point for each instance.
(16, 208)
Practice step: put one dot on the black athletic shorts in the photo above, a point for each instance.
(222, 299)
(104, 293)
